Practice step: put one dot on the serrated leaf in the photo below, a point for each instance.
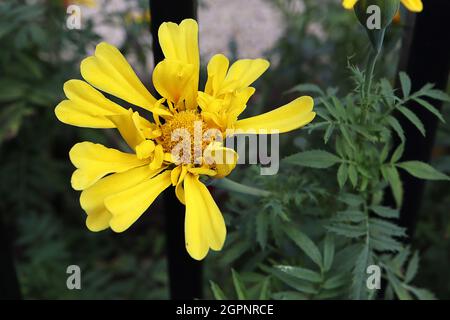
(385, 212)
(405, 82)
(390, 173)
(353, 175)
(411, 116)
(305, 244)
(328, 133)
(264, 294)
(380, 226)
(397, 127)
(217, 292)
(347, 230)
(430, 108)
(238, 286)
(437, 94)
(289, 295)
(398, 153)
(412, 268)
(422, 170)
(314, 159)
(328, 252)
(301, 273)
(342, 175)
(349, 216)
(352, 200)
(262, 226)
(334, 282)
(293, 282)
(359, 273)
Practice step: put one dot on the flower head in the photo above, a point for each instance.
(411, 5)
(118, 187)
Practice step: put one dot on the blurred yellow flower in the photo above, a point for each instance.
(411, 5)
(87, 3)
(138, 17)
(118, 187)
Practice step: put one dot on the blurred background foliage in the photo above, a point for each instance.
(42, 212)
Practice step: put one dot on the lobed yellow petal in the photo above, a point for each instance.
(173, 80)
(86, 107)
(92, 199)
(109, 71)
(217, 71)
(130, 126)
(127, 206)
(94, 161)
(413, 5)
(349, 4)
(204, 224)
(180, 43)
(243, 73)
(289, 117)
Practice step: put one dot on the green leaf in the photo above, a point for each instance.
(353, 175)
(347, 230)
(262, 226)
(352, 200)
(406, 84)
(314, 159)
(412, 268)
(385, 212)
(305, 244)
(328, 252)
(335, 282)
(342, 175)
(430, 108)
(349, 216)
(422, 170)
(437, 94)
(328, 133)
(301, 273)
(411, 116)
(390, 173)
(217, 292)
(238, 286)
(306, 87)
(398, 153)
(359, 273)
(264, 295)
(397, 127)
(289, 295)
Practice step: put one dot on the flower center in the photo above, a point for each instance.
(187, 127)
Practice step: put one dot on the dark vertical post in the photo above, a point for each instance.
(425, 57)
(185, 274)
(9, 286)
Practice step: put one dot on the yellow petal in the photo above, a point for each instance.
(108, 70)
(94, 161)
(158, 158)
(130, 127)
(348, 4)
(127, 206)
(145, 149)
(413, 5)
(224, 159)
(180, 42)
(204, 225)
(98, 220)
(243, 73)
(92, 198)
(283, 119)
(172, 79)
(86, 107)
(217, 71)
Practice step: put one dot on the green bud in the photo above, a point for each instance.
(375, 16)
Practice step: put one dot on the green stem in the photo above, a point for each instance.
(230, 185)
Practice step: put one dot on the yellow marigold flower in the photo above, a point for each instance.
(411, 5)
(118, 187)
